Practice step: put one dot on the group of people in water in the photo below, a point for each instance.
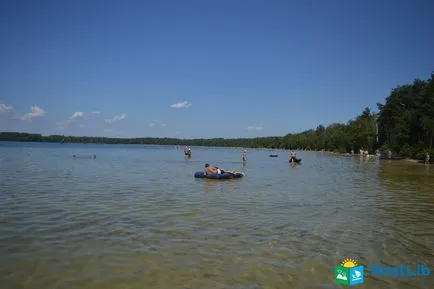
(210, 169)
(365, 153)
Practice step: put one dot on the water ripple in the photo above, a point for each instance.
(136, 218)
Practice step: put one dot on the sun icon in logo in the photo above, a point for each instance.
(349, 263)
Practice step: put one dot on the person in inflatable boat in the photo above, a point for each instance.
(209, 170)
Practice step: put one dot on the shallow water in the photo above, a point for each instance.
(135, 217)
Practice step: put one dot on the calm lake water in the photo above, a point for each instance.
(135, 217)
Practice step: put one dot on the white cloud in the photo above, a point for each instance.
(83, 125)
(151, 124)
(72, 118)
(115, 118)
(183, 104)
(163, 125)
(255, 128)
(35, 112)
(76, 114)
(4, 108)
(92, 115)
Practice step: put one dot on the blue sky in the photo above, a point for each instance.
(242, 68)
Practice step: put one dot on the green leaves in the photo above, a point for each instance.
(406, 120)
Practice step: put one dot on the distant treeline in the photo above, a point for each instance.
(404, 124)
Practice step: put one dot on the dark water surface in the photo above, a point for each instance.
(136, 218)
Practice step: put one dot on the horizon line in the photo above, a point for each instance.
(142, 137)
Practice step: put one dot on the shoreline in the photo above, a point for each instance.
(369, 156)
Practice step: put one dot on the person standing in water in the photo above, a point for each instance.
(427, 158)
(244, 156)
(292, 156)
(187, 152)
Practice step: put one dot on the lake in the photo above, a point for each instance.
(135, 217)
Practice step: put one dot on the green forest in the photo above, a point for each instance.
(404, 124)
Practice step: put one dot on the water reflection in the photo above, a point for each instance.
(404, 173)
(406, 207)
(139, 219)
(293, 165)
(210, 185)
(244, 168)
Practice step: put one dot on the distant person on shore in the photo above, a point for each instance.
(352, 152)
(427, 158)
(389, 154)
(292, 156)
(244, 156)
(210, 170)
